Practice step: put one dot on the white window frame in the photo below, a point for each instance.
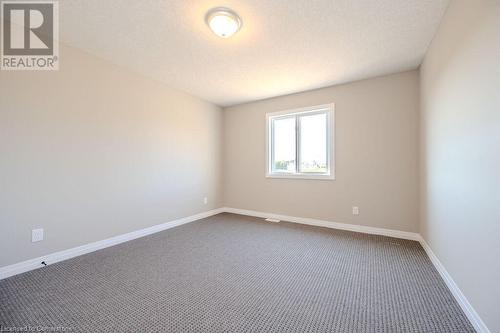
(329, 109)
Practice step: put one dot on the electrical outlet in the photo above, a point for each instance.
(355, 210)
(36, 235)
(205, 200)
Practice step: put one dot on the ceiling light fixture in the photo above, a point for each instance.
(223, 21)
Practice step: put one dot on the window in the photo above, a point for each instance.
(300, 143)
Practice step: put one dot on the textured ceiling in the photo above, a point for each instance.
(284, 46)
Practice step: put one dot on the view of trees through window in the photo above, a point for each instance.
(284, 144)
(313, 143)
(310, 132)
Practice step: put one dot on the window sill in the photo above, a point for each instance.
(301, 176)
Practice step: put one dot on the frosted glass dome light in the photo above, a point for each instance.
(223, 22)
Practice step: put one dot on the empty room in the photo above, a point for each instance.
(250, 166)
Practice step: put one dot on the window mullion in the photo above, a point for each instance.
(271, 145)
(297, 143)
(328, 142)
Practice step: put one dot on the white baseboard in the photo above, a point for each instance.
(467, 308)
(328, 224)
(52, 258)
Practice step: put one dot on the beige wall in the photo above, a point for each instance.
(460, 155)
(376, 156)
(93, 151)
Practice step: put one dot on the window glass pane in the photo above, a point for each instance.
(284, 145)
(313, 139)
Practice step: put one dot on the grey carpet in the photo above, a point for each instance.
(231, 273)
